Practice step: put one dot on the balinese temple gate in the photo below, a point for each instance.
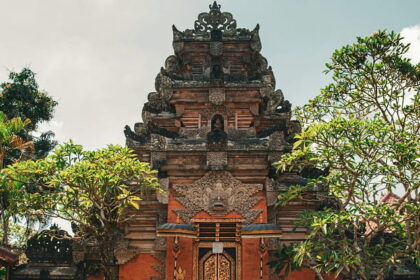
(212, 129)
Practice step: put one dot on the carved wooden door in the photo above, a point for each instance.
(217, 266)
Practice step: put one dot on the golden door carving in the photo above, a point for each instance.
(217, 267)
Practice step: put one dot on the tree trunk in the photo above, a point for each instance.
(111, 272)
(107, 247)
(5, 225)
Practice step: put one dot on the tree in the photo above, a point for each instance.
(23, 107)
(21, 98)
(363, 129)
(10, 142)
(88, 188)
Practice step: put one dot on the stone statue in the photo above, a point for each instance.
(273, 101)
(171, 64)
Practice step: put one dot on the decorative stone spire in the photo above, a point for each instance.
(215, 20)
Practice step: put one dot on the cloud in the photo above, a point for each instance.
(98, 59)
(411, 35)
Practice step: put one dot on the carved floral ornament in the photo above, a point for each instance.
(215, 20)
(218, 193)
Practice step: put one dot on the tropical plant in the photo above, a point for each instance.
(363, 129)
(91, 189)
(11, 143)
(21, 98)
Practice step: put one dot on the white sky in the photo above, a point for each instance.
(99, 58)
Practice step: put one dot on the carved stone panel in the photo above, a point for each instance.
(216, 48)
(157, 158)
(276, 141)
(194, 132)
(178, 46)
(271, 192)
(216, 160)
(241, 133)
(162, 197)
(220, 110)
(217, 96)
(215, 20)
(160, 244)
(124, 253)
(218, 193)
(158, 141)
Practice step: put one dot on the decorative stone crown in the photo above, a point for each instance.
(215, 20)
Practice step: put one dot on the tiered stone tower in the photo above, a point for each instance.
(212, 129)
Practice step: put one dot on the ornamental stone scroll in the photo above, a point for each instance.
(218, 193)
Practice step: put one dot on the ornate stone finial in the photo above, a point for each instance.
(215, 6)
(214, 20)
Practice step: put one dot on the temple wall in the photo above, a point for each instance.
(140, 268)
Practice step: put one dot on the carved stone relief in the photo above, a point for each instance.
(172, 66)
(274, 244)
(216, 48)
(160, 244)
(265, 92)
(160, 268)
(158, 141)
(162, 81)
(217, 110)
(123, 252)
(276, 141)
(194, 132)
(162, 197)
(241, 133)
(215, 20)
(273, 101)
(216, 160)
(218, 193)
(270, 192)
(255, 39)
(217, 96)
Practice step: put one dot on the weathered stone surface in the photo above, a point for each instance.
(218, 193)
(217, 96)
(213, 129)
(216, 160)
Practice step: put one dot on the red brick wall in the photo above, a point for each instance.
(184, 259)
(139, 268)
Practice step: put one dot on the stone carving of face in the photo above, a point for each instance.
(171, 64)
(218, 199)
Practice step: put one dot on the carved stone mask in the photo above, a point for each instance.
(171, 64)
(218, 193)
(218, 199)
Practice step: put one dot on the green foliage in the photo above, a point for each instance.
(88, 188)
(22, 108)
(21, 98)
(363, 127)
(84, 186)
(2, 273)
(10, 142)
